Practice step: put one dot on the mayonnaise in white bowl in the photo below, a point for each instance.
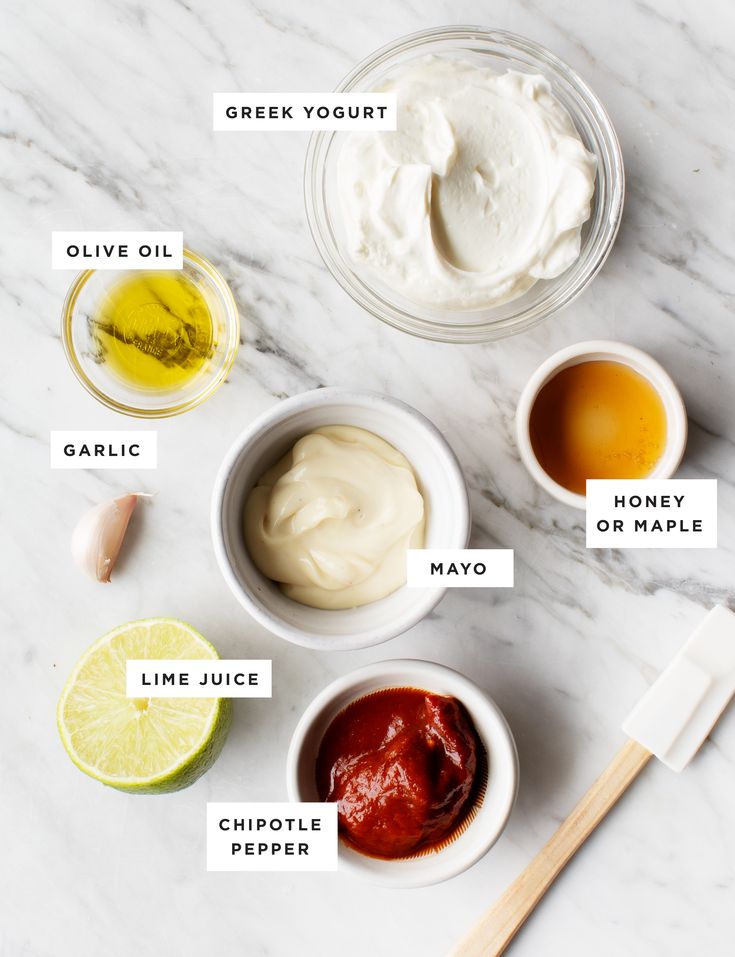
(333, 520)
(438, 477)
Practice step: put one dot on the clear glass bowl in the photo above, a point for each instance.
(500, 51)
(82, 347)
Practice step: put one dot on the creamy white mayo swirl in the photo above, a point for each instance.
(332, 521)
(481, 191)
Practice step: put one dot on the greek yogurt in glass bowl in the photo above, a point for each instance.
(491, 207)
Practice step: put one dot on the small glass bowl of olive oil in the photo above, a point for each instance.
(151, 343)
(599, 410)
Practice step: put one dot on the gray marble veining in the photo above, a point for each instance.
(105, 122)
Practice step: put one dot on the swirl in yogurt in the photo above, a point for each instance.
(481, 191)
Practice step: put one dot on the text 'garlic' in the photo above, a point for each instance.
(97, 539)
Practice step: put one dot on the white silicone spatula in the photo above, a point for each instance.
(671, 721)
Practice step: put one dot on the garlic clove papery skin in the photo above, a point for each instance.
(98, 537)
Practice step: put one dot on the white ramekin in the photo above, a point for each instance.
(440, 481)
(605, 350)
(493, 809)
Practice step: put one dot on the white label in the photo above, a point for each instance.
(303, 111)
(652, 513)
(198, 678)
(460, 567)
(113, 249)
(272, 836)
(106, 449)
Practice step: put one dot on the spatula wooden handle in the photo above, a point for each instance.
(497, 928)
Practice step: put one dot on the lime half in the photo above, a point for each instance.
(144, 745)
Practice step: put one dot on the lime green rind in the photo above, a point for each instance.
(193, 765)
(191, 770)
(180, 776)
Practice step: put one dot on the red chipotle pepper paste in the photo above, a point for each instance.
(401, 763)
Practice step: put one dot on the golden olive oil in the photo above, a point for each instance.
(154, 330)
(597, 420)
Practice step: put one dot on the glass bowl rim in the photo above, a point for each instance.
(364, 293)
(232, 325)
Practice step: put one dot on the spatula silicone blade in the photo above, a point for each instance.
(671, 721)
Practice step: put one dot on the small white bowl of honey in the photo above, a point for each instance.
(599, 410)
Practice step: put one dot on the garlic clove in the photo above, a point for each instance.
(98, 537)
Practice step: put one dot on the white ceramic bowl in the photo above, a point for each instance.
(494, 808)
(605, 350)
(440, 481)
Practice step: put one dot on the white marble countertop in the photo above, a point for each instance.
(106, 123)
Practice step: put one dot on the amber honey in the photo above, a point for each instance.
(597, 420)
